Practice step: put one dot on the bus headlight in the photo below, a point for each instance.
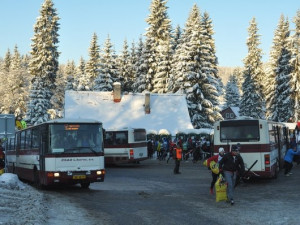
(56, 174)
(100, 172)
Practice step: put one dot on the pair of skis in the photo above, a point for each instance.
(245, 174)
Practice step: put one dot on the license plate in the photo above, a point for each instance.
(79, 177)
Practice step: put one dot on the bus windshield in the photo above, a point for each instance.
(75, 138)
(239, 131)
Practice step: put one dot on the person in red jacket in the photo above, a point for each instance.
(177, 155)
(215, 158)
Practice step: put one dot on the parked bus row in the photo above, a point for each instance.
(66, 151)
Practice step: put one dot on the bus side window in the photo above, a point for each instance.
(22, 142)
(109, 138)
(35, 138)
(28, 140)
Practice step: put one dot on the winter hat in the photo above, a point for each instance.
(221, 150)
(234, 148)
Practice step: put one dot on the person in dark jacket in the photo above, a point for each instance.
(230, 165)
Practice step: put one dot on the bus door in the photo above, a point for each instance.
(42, 145)
(279, 139)
(18, 149)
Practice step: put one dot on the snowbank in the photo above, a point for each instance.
(20, 203)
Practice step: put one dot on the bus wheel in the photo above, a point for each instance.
(85, 185)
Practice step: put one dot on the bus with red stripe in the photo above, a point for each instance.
(127, 145)
(55, 152)
(261, 140)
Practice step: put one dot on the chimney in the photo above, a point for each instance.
(147, 103)
(117, 91)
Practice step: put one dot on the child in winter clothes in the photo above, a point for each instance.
(288, 159)
(215, 158)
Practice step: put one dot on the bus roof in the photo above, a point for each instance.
(76, 120)
(125, 129)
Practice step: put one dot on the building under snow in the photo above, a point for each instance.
(155, 112)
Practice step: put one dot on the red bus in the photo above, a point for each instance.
(62, 151)
(127, 145)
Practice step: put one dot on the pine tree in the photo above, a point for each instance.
(163, 71)
(252, 103)
(108, 73)
(273, 65)
(141, 68)
(7, 61)
(39, 103)
(176, 38)
(83, 81)
(189, 73)
(182, 57)
(57, 100)
(158, 44)
(232, 93)
(70, 74)
(4, 73)
(93, 64)
(295, 74)
(209, 63)
(43, 65)
(125, 69)
(15, 96)
(133, 58)
(281, 104)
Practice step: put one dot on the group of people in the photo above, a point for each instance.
(195, 148)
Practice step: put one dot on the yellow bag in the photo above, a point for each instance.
(1, 171)
(221, 189)
(214, 167)
(205, 163)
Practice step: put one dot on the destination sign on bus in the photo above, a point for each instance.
(72, 126)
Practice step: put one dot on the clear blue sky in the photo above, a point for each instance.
(126, 19)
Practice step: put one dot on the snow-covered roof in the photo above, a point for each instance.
(167, 111)
(197, 131)
(236, 111)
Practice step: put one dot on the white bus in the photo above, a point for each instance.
(62, 151)
(125, 145)
(263, 143)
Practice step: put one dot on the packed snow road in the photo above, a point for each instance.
(149, 193)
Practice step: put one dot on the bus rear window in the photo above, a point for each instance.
(239, 131)
(140, 135)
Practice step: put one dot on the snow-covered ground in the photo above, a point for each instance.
(18, 201)
(22, 204)
(266, 202)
